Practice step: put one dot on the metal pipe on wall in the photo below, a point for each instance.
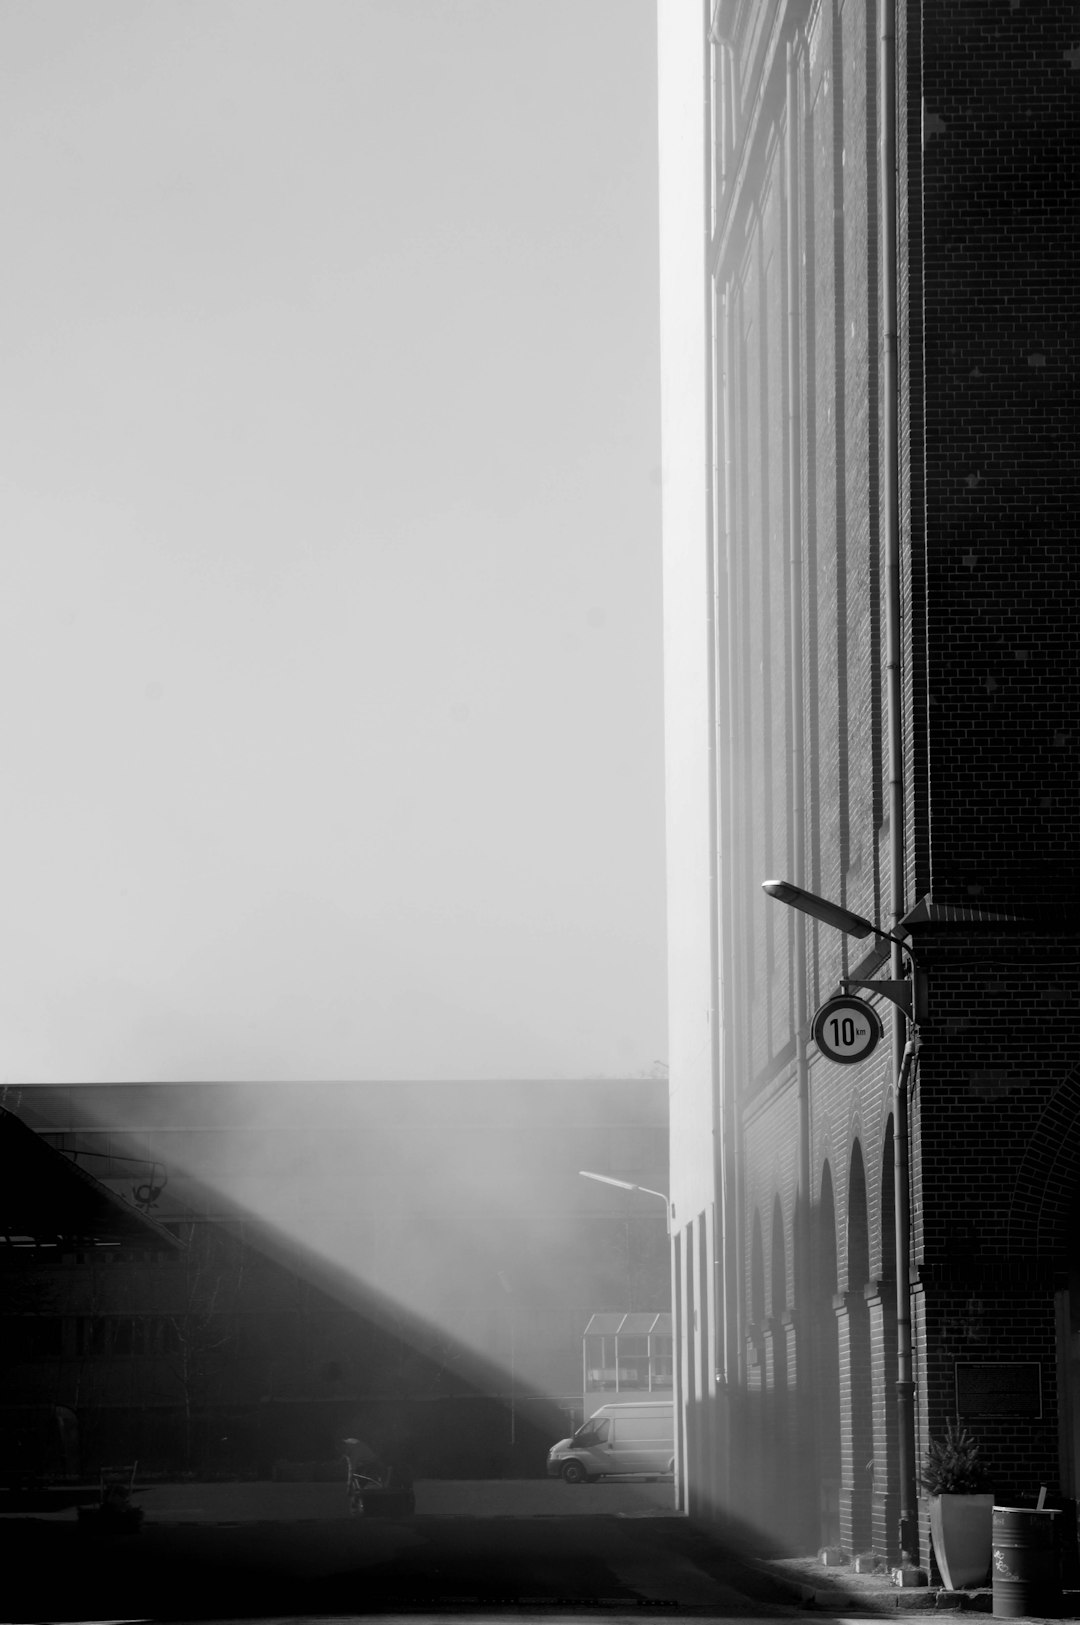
(731, 1206)
(801, 1222)
(905, 1387)
(725, 1374)
(715, 1350)
(798, 744)
(798, 811)
(714, 1375)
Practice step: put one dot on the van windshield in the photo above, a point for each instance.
(593, 1432)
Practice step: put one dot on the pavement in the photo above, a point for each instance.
(842, 1590)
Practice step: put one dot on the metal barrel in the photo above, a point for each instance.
(1027, 1568)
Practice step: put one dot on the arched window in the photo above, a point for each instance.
(778, 1274)
(887, 1209)
(827, 1351)
(757, 1272)
(858, 1228)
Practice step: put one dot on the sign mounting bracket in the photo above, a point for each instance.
(898, 993)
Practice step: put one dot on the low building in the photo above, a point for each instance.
(57, 1220)
(414, 1262)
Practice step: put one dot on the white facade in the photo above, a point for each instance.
(692, 984)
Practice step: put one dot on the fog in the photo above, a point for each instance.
(450, 1217)
(330, 620)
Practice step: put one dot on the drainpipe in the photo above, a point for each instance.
(715, 1376)
(720, 962)
(732, 1249)
(905, 1387)
(902, 1049)
(804, 1287)
(803, 1293)
(714, 1340)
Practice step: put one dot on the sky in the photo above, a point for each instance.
(330, 579)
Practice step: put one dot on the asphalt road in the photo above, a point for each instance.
(521, 1497)
(486, 1552)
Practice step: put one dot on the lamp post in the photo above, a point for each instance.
(909, 996)
(625, 1185)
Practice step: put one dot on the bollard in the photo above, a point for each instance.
(1027, 1572)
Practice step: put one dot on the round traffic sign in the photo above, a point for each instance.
(846, 1029)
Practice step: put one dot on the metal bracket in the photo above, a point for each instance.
(898, 993)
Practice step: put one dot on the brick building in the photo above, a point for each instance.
(871, 583)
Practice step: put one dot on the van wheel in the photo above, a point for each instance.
(574, 1473)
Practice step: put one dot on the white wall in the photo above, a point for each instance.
(691, 997)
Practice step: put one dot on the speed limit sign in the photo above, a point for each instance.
(846, 1030)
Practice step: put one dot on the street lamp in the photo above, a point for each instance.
(820, 908)
(625, 1185)
(669, 1214)
(909, 995)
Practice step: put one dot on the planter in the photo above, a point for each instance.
(962, 1529)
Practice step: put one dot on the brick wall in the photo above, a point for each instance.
(999, 195)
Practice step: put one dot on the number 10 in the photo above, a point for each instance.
(843, 1032)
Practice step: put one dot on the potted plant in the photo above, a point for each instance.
(961, 1508)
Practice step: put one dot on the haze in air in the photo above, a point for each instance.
(330, 622)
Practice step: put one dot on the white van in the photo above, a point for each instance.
(636, 1438)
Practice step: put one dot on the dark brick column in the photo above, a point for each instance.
(804, 1493)
(885, 1495)
(856, 1438)
(754, 1423)
(780, 1444)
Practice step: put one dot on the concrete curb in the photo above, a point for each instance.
(877, 1595)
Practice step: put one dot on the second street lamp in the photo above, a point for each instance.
(625, 1185)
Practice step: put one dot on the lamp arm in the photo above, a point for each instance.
(901, 942)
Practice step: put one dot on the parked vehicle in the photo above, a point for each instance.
(618, 1439)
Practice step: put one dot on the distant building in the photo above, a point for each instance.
(871, 581)
(51, 1212)
(417, 1261)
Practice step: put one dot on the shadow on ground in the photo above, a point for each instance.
(192, 1572)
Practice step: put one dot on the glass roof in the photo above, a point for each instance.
(611, 1323)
